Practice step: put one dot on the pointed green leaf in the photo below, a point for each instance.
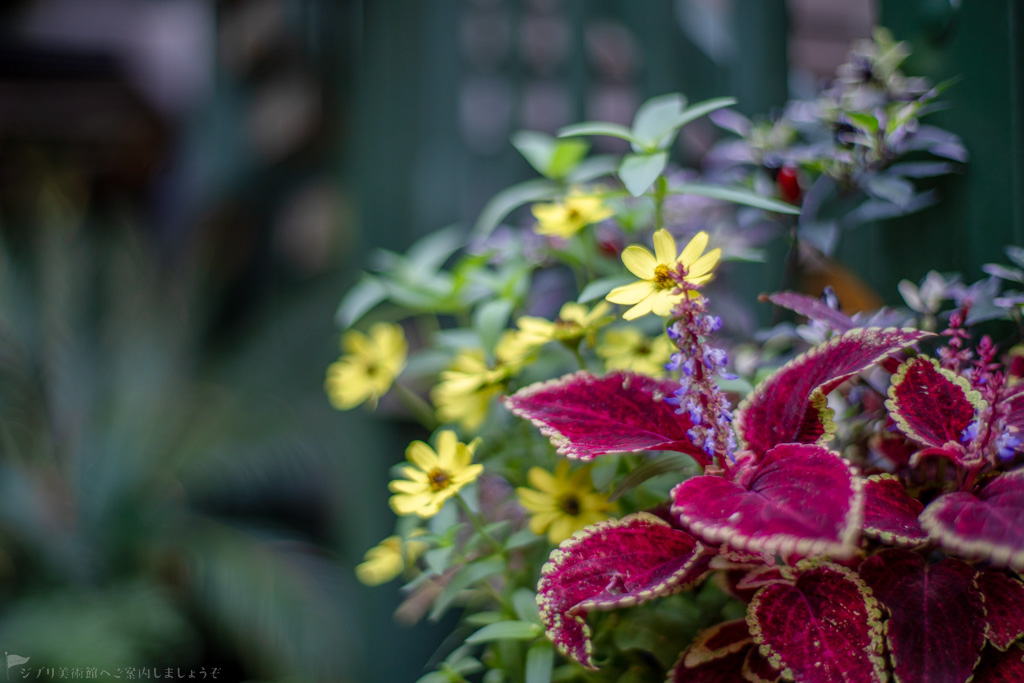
(594, 167)
(654, 119)
(540, 659)
(737, 195)
(596, 128)
(566, 157)
(670, 462)
(700, 109)
(638, 171)
(509, 199)
(537, 148)
(490, 321)
(466, 577)
(363, 296)
(506, 630)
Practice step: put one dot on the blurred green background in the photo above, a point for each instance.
(187, 188)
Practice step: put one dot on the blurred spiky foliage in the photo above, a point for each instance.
(149, 518)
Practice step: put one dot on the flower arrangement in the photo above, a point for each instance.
(615, 500)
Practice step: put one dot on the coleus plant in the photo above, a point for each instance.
(850, 573)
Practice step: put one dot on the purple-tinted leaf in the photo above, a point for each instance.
(1000, 667)
(803, 499)
(890, 514)
(825, 627)
(936, 622)
(813, 308)
(716, 655)
(728, 669)
(757, 668)
(1004, 607)
(764, 576)
(718, 641)
(790, 405)
(931, 404)
(987, 526)
(586, 416)
(1013, 404)
(612, 564)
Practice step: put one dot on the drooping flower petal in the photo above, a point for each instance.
(639, 261)
(790, 405)
(803, 500)
(935, 627)
(824, 627)
(585, 416)
(612, 564)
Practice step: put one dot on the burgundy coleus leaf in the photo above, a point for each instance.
(890, 514)
(1003, 598)
(936, 621)
(824, 627)
(790, 406)
(716, 655)
(987, 526)
(813, 308)
(611, 564)
(932, 405)
(586, 416)
(1000, 667)
(764, 576)
(757, 668)
(801, 499)
(1013, 407)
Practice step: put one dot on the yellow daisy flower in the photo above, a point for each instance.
(435, 477)
(574, 323)
(562, 503)
(658, 291)
(566, 218)
(626, 348)
(466, 388)
(368, 367)
(388, 559)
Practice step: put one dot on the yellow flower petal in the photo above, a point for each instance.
(639, 261)
(542, 480)
(641, 309)
(693, 250)
(632, 293)
(664, 247)
(704, 264)
(663, 301)
(561, 529)
(422, 455)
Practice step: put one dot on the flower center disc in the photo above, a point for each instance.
(570, 505)
(663, 277)
(439, 479)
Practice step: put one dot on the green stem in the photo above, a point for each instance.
(479, 525)
(660, 190)
(417, 406)
(579, 357)
(588, 258)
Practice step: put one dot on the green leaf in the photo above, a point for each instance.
(537, 148)
(863, 121)
(524, 601)
(540, 659)
(467, 576)
(509, 199)
(506, 630)
(479, 619)
(434, 677)
(700, 109)
(490, 320)
(638, 171)
(594, 167)
(597, 128)
(673, 462)
(363, 296)
(567, 156)
(426, 256)
(521, 539)
(655, 118)
(598, 288)
(737, 195)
